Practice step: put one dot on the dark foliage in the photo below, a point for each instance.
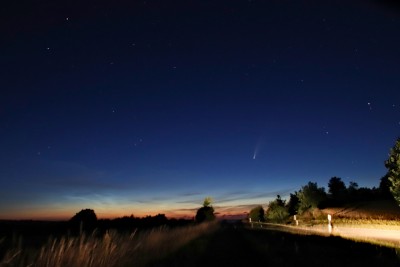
(85, 220)
(384, 188)
(337, 188)
(257, 214)
(311, 196)
(204, 214)
(293, 204)
(277, 211)
(393, 166)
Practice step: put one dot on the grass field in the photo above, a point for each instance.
(368, 210)
(217, 244)
(110, 249)
(383, 214)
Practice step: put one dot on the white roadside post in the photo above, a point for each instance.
(295, 219)
(329, 223)
(251, 223)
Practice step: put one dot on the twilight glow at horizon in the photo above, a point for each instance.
(147, 108)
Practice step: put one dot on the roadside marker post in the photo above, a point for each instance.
(329, 223)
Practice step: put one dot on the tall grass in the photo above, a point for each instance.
(111, 249)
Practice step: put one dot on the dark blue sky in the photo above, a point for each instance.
(145, 107)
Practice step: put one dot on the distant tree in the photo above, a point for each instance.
(352, 190)
(384, 188)
(293, 204)
(277, 211)
(207, 201)
(353, 186)
(337, 188)
(310, 196)
(85, 220)
(279, 201)
(393, 166)
(257, 214)
(205, 213)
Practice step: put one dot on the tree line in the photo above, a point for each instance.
(311, 196)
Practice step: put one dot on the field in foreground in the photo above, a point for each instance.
(239, 246)
(204, 245)
(110, 249)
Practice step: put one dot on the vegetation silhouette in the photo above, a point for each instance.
(293, 204)
(337, 188)
(393, 174)
(257, 214)
(206, 212)
(85, 220)
(311, 196)
(277, 212)
(384, 187)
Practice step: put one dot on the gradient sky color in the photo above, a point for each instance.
(146, 107)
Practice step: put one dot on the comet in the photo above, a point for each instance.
(257, 148)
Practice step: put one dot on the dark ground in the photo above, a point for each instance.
(234, 245)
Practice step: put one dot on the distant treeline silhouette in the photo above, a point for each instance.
(86, 220)
(311, 197)
(36, 233)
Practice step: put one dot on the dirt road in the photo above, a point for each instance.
(241, 246)
(376, 235)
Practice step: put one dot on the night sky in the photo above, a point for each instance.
(146, 107)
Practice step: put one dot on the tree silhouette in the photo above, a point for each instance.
(205, 213)
(207, 202)
(337, 188)
(352, 190)
(293, 204)
(257, 214)
(384, 188)
(277, 211)
(85, 220)
(393, 166)
(310, 196)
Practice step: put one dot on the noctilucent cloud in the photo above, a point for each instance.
(146, 107)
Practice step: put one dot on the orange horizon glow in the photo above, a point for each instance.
(68, 213)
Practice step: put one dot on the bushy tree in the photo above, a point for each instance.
(205, 213)
(84, 220)
(352, 190)
(337, 188)
(293, 204)
(257, 214)
(310, 196)
(393, 166)
(277, 212)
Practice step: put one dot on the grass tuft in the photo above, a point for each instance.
(111, 249)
